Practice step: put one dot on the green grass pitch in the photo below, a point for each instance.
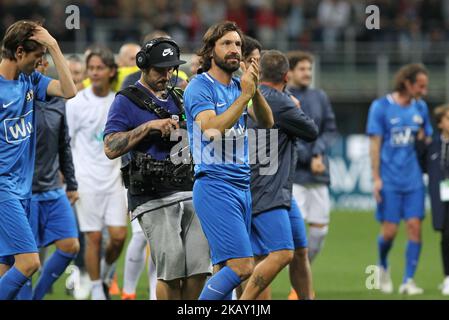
(339, 270)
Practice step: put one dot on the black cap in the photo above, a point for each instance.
(164, 55)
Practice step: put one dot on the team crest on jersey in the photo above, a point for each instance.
(402, 136)
(30, 96)
(18, 129)
(417, 119)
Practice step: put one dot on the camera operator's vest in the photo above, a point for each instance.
(144, 175)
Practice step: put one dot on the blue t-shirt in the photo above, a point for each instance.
(124, 116)
(18, 134)
(398, 127)
(227, 160)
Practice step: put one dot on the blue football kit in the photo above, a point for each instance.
(17, 153)
(221, 193)
(403, 190)
(403, 187)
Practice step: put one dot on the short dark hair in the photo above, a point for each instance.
(408, 72)
(107, 57)
(214, 33)
(440, 112)
(296, 57)
(273, 66)
(18, 34)
(251, 44)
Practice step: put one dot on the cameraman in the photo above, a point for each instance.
(165, 212)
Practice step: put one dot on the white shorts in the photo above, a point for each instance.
(98, 210)
(314, 202)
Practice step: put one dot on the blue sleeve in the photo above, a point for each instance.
(40, 85)
(118, 116)
(375, 123)
(198, 97)
(428, 130)
(293, 120)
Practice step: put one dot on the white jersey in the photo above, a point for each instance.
(86, 119)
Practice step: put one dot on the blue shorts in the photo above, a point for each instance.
(52, 220)
(225, 215)
(278, 229)
(398, 205)
(16, 236)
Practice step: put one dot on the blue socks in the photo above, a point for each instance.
(11, 283)
(220, 285)
(26, 292)
(384, 247)
(411, 258)
(51, 271)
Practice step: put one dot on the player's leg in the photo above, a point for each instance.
(59, 227)
(299, 269)
(227, 232)
(317, 204)
(264, 295)
(90, 209)
(274, 230)
(116, 222)
(16, 239)
(388, 213)
(413, 203)
(134, 261)
(445, 250)
(198, 265)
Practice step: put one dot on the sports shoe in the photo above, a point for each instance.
(385, 283)
(410, 288)
(114, 289)
(445, 287)
(128, 296)
(292, 295)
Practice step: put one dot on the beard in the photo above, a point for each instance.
(226, 66)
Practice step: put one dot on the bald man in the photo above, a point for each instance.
(127, 55)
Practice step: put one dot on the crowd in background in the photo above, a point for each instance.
(291, 23)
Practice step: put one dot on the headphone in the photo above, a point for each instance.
(143, 56)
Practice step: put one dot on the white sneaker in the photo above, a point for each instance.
(386, 285)
(410, 288)
(82, 290)
(445, 287)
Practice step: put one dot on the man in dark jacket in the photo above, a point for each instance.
(278, 230)
(437, 167)
(52, 218)
(312, 179)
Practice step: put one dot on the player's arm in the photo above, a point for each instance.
(64, 87)
(296, 123)
(119, 143)
(260, 111)
(374, 151)
(213, 125)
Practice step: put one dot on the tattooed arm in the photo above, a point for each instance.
(118, 143)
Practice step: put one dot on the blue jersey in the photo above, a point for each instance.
(229, 159)
(398, 127)
(18, 134)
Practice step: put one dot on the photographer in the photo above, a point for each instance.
(159, 196)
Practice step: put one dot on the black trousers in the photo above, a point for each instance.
(445, 240)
